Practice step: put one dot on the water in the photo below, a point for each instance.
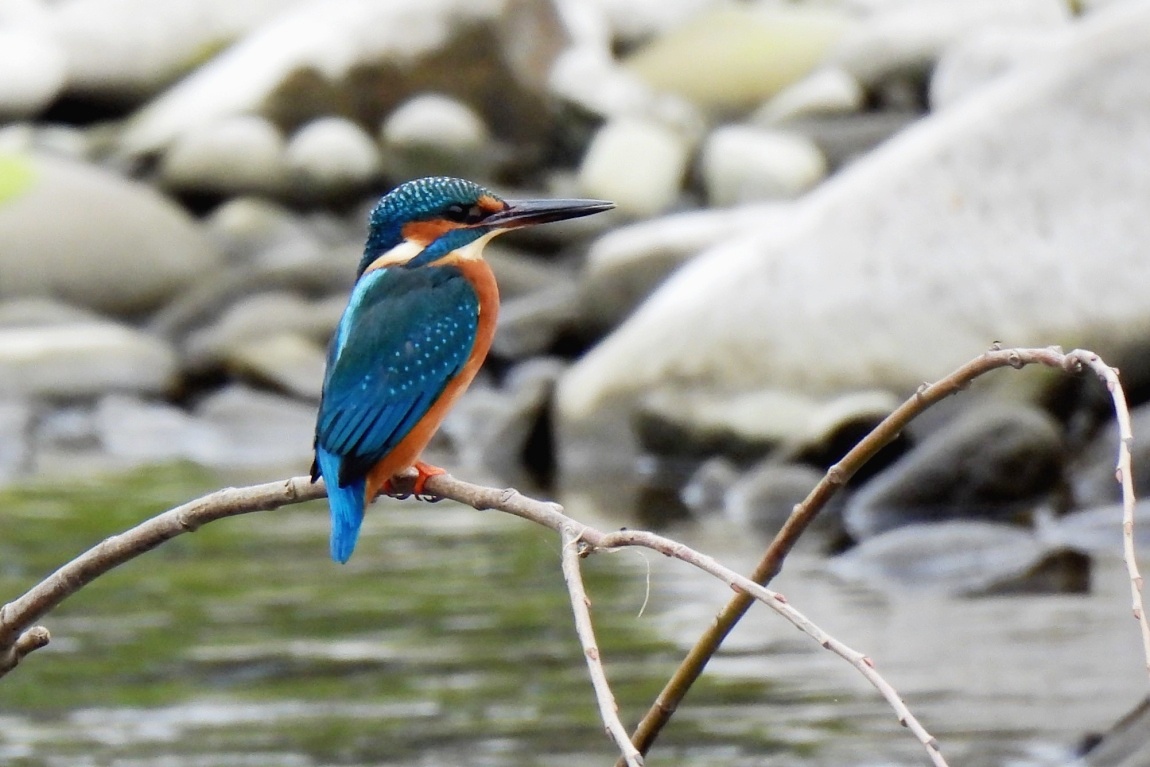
(448, 641)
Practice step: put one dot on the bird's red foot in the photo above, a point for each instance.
(423, 472)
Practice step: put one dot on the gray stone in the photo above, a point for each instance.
(34, 68)
(331, 156)
(964, 557)
(985, 187)
(433, 134)
(637, 164)
(765, 496)
(82, 358)
(1093, 480)
(258, 429)
(245, 227)
(1097, 530)
(530, 324)
(741, 164)
(982, 57)
(84, 235)
(826, 91)
(140, 432)
(993, 462)
(287, 361)
(1125, 743)
(705, 492)
(237, 155)
(843, 138)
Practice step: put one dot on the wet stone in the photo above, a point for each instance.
(995, 462)
(16, 418)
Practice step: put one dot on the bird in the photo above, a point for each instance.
(416, 329)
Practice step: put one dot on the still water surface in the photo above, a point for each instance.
(448, 641)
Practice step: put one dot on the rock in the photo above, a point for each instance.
(764, 497)
(287, 361)
(994, 462)
(529, 325)
(241, 154)
(254, 319)
(358, 59)
(1123, 745)
(258, 429)
(637, 164)
(846, 275)
(751, 424)
(737, 56)
(625, 265)
(124, 50)
(34, 68)
(965, 557)
(140, 432)
(81, 357)
(16, 417)
(826, 91)
(982, 57)
(245, 227)
(907, 37)
(92, 238)
(743, 164)
(489, 428)
(637, 20)
(1097, 530)
(705, 492)
(1093, 481)
(432, 134)
(842, 138)
(331, 156)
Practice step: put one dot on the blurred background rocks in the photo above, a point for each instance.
(820, 206)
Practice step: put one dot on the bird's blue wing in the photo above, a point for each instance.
(404, 335)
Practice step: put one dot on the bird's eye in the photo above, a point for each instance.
(463, 214)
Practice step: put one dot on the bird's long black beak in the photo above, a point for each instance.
(529, 212)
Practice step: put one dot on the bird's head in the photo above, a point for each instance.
(422, 221)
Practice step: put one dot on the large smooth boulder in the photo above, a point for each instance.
(82, 234)
(1017, 215)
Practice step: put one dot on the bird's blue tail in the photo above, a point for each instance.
(346, 506)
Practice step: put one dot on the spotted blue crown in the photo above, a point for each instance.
(419, 200)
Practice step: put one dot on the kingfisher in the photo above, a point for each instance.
(417, 327)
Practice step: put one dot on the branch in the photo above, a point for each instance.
(18, 637)
(837, 475)
(580, 605)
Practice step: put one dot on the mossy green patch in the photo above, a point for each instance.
(16, 175)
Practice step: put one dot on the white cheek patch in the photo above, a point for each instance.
(400, 254)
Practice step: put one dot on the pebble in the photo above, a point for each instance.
(92, 238)
(763, 499)
(826, 91)
(437, 121)
(530, 324)
(994, 462)
(35, 69)
(736, 56)
(331, 156)
(636, 163)
(140, 432)
(742, 164)
(79, 359)
(237, 155)
(287, 362)
(258, 429)
(16, 418)
(964, 557)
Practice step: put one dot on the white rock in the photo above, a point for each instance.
(741, 163)
(907, 37)
(259, 429)
(143, 432)
(974, 225)
(245, 153)
(983, 56)
(82, 359)
(636, 163)
(432, 119)
(90, 237)
(128, 49)
(327, 36)
(288, 361)
(332, 154)
(826, 91)
(34, 68)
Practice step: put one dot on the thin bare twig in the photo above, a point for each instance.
(672, 694)
(1125, 475)
(580, 606)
